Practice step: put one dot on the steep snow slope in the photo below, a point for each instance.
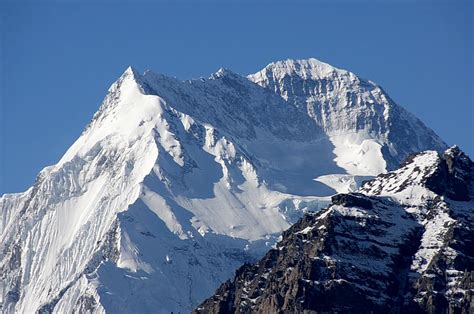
(405, 245)
(370, 132)
(170, 188)
(168, 200)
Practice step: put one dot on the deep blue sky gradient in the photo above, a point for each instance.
(58, 60)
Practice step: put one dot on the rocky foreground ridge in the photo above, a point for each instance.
(404, 243)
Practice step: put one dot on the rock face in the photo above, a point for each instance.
(403, 244)
(174, 185)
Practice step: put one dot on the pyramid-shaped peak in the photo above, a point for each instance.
(224, 72)
(129, 76)
(130, 72)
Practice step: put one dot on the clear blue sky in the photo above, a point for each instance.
(58, 60)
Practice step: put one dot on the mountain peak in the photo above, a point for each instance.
(130, 72)
(224, 72)
(129, 75)
(306, 68)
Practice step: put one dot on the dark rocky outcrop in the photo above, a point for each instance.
(353, 199)
(452, 175)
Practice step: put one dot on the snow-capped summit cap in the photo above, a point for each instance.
(130, 72)
(306, 68)
(223, 72)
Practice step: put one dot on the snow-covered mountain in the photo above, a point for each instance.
(403, 244)
(173, 184)
(369, 131)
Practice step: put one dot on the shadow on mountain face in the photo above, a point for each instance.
(286, 147)
(291, 167)
(155, 264)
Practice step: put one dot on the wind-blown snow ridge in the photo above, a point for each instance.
(175, 184)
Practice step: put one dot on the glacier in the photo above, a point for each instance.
(175, 184)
